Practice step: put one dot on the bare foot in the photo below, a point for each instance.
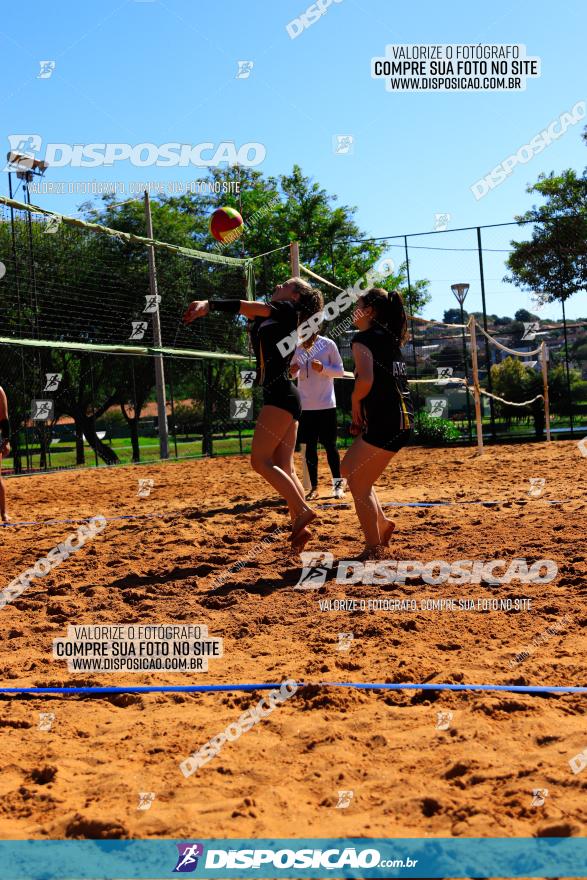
(376, 552)
(301, 539)
(301, 521)
(5, 517)
(387, 533)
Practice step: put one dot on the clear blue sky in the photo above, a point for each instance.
(165, 71)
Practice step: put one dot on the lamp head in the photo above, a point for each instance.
(460, 291)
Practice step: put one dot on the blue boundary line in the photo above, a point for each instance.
(452, 503)
(213, 688)
(448, 503)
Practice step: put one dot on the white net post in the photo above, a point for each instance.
(544, 364)
(476, 388)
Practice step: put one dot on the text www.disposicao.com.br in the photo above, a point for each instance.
(134, 664)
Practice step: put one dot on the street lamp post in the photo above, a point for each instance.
(460, 291)
(26, 168)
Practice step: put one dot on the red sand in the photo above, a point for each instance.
(282, 778)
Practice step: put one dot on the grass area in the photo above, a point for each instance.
(62, 454)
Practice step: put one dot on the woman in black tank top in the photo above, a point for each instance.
(382, 408)
(274, 336)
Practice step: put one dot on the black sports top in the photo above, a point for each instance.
(389, 395)
(272, 365)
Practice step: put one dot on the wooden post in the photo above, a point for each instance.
(544, 361)
(476, 389)
(294, 259)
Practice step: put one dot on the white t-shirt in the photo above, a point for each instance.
(317, 389)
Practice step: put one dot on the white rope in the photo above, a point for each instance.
(446, 381)
(411, 317)
(505, 348)
(464, 382)
(318, 277)
(282, 248)
(511, 402)
(348, 375)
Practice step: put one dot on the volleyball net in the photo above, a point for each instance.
(91, 326)
(100, 309)
(68, 280)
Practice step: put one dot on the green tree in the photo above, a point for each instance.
(514, 381)
(552, 265)
(525, 315)
(453, 316)
(559, 390)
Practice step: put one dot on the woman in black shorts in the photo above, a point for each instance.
(382, 408)
(272, 453)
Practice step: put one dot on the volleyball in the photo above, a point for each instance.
(226, 225)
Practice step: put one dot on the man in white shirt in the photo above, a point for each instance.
(316, 364)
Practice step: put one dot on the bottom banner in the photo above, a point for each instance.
(350, 857)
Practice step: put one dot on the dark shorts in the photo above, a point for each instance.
(318, 425)
(389, 440)
(284, 395)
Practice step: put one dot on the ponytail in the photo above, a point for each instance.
(389, 312)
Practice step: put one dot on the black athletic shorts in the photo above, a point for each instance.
(284, 395)
(388, 437)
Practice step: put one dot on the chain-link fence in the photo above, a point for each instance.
(472, 271)
(77, 350)
(483, 263)
(79, 344)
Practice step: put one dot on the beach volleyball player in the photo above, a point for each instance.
(382, 410)
(272, 454)
(4, 449)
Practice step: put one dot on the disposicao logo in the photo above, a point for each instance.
(187, 860)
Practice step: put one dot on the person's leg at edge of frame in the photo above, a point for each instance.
(361, 467)
(272, 426)
(3, 515)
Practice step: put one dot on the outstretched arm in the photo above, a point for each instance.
(199, 308)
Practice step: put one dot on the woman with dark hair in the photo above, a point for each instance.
(382, 410)
(272, 453)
